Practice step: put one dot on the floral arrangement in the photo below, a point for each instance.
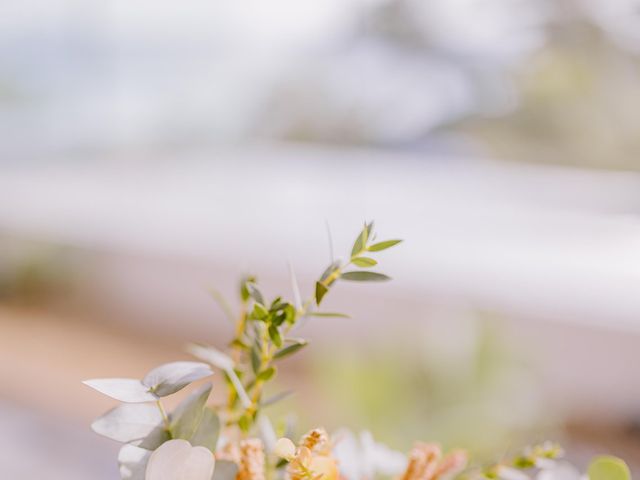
(236, 440)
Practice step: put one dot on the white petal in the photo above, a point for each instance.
(561, 471)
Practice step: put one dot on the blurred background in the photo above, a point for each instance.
(152, 151)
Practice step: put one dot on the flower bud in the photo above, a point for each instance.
(285, 449)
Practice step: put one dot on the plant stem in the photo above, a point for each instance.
(165, 417)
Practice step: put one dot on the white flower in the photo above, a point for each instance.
(178, 460)
(361, 458)
(560, 471)
(509, 473)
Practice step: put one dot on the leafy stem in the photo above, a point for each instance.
(262, 328)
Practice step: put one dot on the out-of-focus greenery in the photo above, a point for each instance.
(578, 104)
(437, 385)
(31, 273)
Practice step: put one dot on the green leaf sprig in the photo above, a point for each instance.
(263, 327)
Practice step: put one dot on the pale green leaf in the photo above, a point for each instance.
(124, 389)
(187, 416)
(172, 377)
(276, 398)
(289, 349)
(225, 470)
(211, 355)
(364, 262)
(329, 314)
(206, 435)
(133, 462)
(376, 247)
(364, 277)
(130, 422)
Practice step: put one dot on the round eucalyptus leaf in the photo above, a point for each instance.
(133, 462)
(177, 459)
(225, 470)
(187, 416)
(127, 390)
(172, 377)
(129, 422)
(211, 355)
(206, 435)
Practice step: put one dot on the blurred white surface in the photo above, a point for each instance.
(537, 241)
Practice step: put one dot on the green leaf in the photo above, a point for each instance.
(276, 398)
(244, 423)
(259, 311)
(172, 377)
(256, 360)
(255, 293)
(290, 314)
(223, 304)
(364, 262)
(376, 247)
(329, 314)
(275, 336)
(330, 269)
(206, 435)
(225, 470)
(267, 374)
(321, 291)
(244, 290)
(364, 277)
(187, 416)
(289, 349)
(361, 240)
(608, 468)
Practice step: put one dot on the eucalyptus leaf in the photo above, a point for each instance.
(133, 462)
(206, 435)
(376, 247)
(172, 377)
(225, 470)
(321, 291)
(127, 390)
(130, 422)
(211, 355)
(186, 418)
(289, 349)
(364, 262)
(364, 277)
(608, 468)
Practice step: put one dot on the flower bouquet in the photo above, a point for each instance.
(236, 441)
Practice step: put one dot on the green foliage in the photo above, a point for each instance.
(262, 337)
